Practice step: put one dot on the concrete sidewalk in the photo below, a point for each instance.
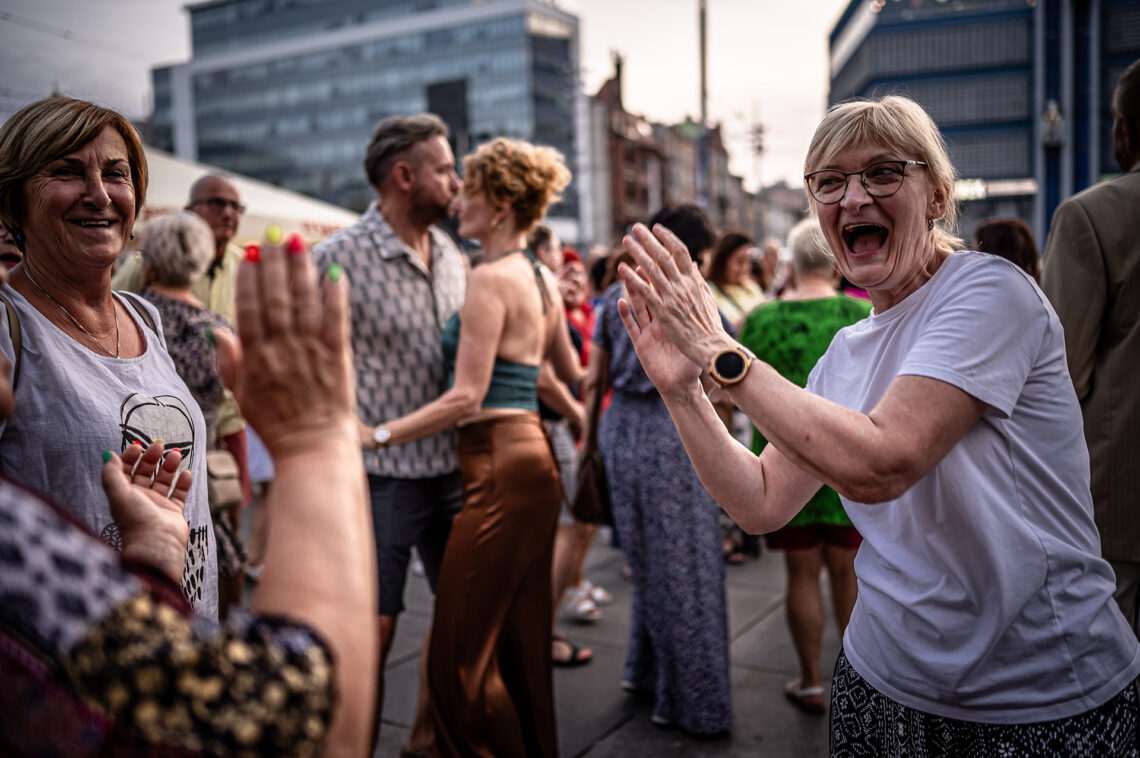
(596, 718)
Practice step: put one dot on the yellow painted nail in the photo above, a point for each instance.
(159, 441)
(274, 234)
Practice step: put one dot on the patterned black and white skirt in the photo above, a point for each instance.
(865, 722)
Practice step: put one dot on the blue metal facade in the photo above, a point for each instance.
(1020, 88)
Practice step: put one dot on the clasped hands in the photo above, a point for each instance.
(669, 310)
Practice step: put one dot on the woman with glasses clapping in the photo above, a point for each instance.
(946, 420)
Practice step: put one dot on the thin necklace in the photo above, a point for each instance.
(42, 291)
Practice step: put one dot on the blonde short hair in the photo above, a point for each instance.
(897, 123)
(49, 129)
(177, 248)
(527, 177)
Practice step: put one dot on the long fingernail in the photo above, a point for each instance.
(334, 273)
(273, 234)
(137, 442)
(210, 337)
(106, 455)
(295, 244)
(253, 253)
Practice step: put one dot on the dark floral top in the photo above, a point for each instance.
(184, 327)
(101, 657)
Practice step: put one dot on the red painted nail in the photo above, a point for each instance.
(136, 442)
(295, 244)
(253, 253)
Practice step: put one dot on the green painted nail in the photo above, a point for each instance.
(106, 455)
(334, 273)
(274, 234)
(210, 337)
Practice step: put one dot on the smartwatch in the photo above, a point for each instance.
(381, 435)
(729, 367)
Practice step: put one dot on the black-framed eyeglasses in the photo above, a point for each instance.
(880, 179)
(220, 204)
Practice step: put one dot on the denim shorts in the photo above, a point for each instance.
(407, 513)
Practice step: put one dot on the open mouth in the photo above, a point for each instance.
(864, 238)
(8, 260)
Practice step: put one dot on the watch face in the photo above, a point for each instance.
(381, 435)
(730, 365)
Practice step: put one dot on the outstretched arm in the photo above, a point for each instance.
(869, 457)
(482, 318)
(295, 385)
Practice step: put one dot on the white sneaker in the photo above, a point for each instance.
(600, 595)
(577, 605)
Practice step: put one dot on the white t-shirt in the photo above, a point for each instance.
(72, 404)
(982, 595)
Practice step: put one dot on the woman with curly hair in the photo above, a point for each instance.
(487, 688)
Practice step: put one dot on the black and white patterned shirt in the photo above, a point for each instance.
(398, 310)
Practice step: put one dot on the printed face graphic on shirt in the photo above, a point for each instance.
(144, 420)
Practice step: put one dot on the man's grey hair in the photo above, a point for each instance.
(393, 137)
(177, 248)
(810, 251)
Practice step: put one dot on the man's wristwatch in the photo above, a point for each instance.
(729, 367)
(381, 435)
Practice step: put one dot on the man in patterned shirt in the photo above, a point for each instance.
(407, 279)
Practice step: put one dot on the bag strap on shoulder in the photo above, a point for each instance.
(132, 299)
(14, 334)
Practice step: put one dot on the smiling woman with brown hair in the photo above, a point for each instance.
(92, 370)
(947, 423)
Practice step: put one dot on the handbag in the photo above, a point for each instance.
(223, 481)
(591, 503)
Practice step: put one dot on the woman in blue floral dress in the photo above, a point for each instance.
(668, 526)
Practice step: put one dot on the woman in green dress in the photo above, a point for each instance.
(791, 334)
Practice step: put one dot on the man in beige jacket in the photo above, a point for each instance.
(1092, 277)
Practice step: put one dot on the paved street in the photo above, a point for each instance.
(597, 719)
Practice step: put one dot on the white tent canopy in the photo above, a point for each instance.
(169, 189)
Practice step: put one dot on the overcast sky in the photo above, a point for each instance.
(767, 61)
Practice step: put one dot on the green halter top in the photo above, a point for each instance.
(513, 385)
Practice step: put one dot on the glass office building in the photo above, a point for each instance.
(1020, 88)
(288, 91)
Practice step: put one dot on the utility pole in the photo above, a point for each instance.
(756, 135)
(703, 188)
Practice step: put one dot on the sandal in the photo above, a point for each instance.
(734, 550)
(578, 655)
(807, 699)
(577, 605)
(600, 595)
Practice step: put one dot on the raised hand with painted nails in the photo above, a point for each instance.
(293, 379)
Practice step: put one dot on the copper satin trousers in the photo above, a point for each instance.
(489, 684)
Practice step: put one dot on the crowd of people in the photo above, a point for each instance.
(882, 402)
